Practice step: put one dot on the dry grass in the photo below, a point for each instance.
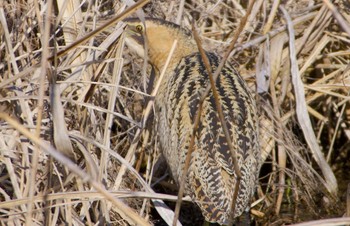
(91, 104)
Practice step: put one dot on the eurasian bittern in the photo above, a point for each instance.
(211, 176)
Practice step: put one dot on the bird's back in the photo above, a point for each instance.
(211, 177)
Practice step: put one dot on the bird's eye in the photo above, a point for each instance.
(139, 28)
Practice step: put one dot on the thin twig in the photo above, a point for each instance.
(89, 195)
(222, 119)
(336, 132)
(43, 72)
(188, 159)
(145, 114)
(282, 156)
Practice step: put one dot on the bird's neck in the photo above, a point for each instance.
(160, 48)
(158, 58)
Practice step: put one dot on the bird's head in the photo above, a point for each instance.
(159, 35)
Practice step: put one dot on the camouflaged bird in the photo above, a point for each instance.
(211, 177)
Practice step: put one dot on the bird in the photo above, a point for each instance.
(211, 177)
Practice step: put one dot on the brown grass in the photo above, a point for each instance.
(75, 145)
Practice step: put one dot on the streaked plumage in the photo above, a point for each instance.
(211, 177)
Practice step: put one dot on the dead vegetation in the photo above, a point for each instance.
(92, 104)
